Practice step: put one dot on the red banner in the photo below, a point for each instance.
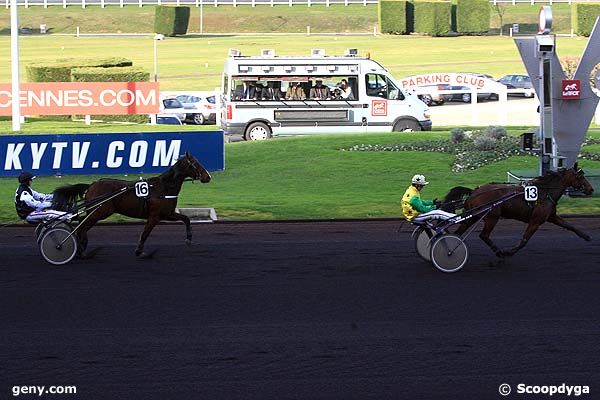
(82, 98)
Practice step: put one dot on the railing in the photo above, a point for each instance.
(197, 3)
(532, 2)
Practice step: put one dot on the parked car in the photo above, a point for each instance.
(465, 94)
(167, 119)
(199, 109)
(172, 106)
(518, 81)
(430, 94)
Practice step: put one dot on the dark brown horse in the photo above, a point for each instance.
(109, 196)
(551, 187)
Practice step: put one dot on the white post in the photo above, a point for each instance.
(234, 3)
(201, 17)
(327, 3)
(82, 3)
(155, 61)
(510, 32)
(88, 120)
(140, 4)
(152, 119)
(272, 4)
(307, 30)
(14, 58)
(7, 4)
(64, 3)
(178, 4)
(309, 4)
(290, 3)
(374, 30)
(45, 3)
(77, 32)
(26, 3)
(121, 3)
(346, 3)
(101, 3)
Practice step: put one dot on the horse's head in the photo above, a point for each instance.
(575, 178)
(193, 169)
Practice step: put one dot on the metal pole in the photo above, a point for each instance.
(155, 62)
(14, 55)
(201, 17)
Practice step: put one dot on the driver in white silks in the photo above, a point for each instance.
(33, 206)
(418, 210)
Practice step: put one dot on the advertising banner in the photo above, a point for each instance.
(97, 154)
(83, 98)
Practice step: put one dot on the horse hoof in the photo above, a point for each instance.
(144, 256)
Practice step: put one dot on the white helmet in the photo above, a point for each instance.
(419, 180)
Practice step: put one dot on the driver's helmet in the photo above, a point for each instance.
(419, 180)
(25, 176)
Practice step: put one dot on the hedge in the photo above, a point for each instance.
(171, 21)
(393, 16)
(116, 74)
(583, 17)
(123, 74)
(473, 16)
(60, 70)
(432, 17)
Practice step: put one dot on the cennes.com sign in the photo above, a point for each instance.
(82, 98)
(122, 153)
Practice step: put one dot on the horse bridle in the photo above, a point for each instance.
(196, 169)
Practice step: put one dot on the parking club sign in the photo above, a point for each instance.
(571, 89)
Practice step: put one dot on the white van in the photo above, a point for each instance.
(265, 96)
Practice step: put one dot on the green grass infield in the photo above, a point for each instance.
(310, 177)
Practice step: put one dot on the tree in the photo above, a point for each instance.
(500, 10)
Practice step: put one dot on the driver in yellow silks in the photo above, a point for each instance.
(414, 208)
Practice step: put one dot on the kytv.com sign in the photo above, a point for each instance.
(83, 98)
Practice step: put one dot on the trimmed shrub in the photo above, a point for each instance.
(60, 70)
(484, 143)
(432, 17)
(496, 132)
(170, 20)
(583, 17)
(457, 135)
(392, 16)
(123, 74)
(472, 16)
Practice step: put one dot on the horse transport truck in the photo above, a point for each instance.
(268, 95)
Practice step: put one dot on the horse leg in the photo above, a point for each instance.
(188, 226)
(152, 221)
(555, 219)
(490, 222)
(531, 229)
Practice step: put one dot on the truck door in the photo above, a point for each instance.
(381, 94)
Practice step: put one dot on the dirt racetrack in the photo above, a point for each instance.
(320, 310)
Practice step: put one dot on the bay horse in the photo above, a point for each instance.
(109, 196)
(551, 187)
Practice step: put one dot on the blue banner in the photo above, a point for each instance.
(105, 153)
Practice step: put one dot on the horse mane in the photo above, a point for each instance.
(455, 198)
(65, 198)
(549, 177)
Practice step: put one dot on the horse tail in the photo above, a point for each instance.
(455, 198)
(65, 198)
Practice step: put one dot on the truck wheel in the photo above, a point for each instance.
(407, 125)
(257, 131)
(466, 98)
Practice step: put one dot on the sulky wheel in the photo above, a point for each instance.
(449, 253)
(422, 237)
(41, 229)
(58, 245)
